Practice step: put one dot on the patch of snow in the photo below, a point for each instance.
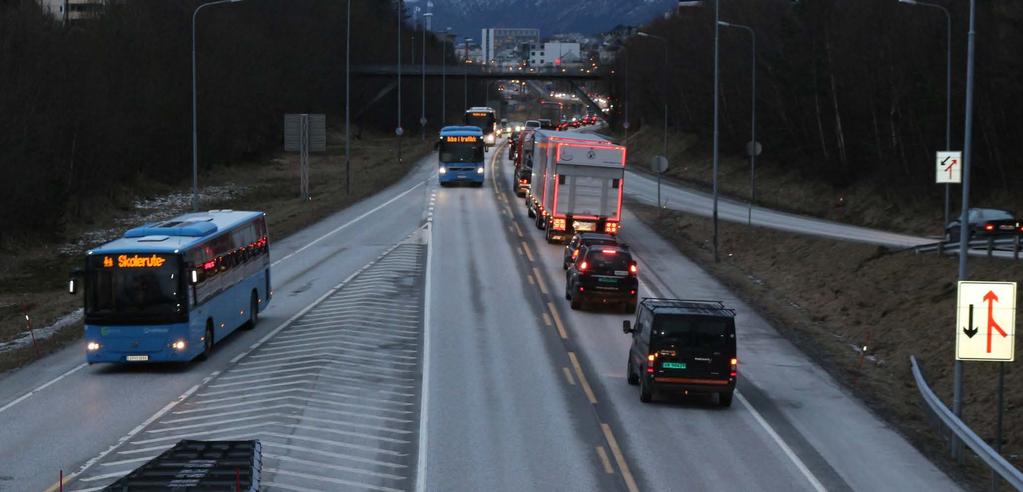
(24, 339)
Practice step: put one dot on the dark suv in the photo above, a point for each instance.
(602, 273)
(683, 346)
(581, 239)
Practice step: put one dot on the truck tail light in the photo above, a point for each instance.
(611, 227)
(633, 269)
(733, 366)
(559, 224)
(651, 359)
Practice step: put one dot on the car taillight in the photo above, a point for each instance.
(989, 227)
(583, 266)
(611, 227)
(734, 363)
(651, 359)
(633, 269)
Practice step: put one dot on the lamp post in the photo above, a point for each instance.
(444, 77)
(948, 87)
(753, 120)
(398, 131)
(195, 118)
(664, 95)
(422, 109)
(348, 98)
(465, 76)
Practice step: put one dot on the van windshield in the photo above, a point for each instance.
(704, 332)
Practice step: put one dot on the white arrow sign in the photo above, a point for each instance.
(950, 167)
(986, 321)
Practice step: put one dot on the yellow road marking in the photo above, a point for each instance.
(547, 319)
(529, 253)
(605, 461)
(630, 482)
(557, 320)
(540, 282)
(518, 230)
(568, 376)
(582, 379)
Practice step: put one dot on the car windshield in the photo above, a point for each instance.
(134, 288)
(461, 152)
(706, 332)
(992, 214)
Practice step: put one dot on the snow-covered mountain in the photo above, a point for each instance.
(468, 17)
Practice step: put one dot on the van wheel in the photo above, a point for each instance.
(725, 399)
(253, 311)
(646, 390)
(630, 375)
(207, 342)
(540, 222)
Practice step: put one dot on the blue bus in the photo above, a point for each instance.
(168, 291)
(460, 155)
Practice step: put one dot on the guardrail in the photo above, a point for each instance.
(990, 245)
(994, 461)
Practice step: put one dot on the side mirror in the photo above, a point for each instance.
(72, 284)
(626, 326)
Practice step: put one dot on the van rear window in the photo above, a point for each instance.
(696, 331)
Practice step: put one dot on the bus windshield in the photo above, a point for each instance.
(461, 151)
(484, 120)
(134, 289)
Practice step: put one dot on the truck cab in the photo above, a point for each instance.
(460, 155)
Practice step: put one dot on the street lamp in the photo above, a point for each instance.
(664, 95)
(753, 121)
(948, 86)
(348, 99)
(444, 77)
(195, 124)
(465, 76)
(422, 109)
(398, 131)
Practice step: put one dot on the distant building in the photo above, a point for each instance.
(72, 10)
(554, 54)
(501, 45)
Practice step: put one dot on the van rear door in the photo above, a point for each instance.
(693, 346)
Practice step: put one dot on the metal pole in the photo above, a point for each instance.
(664, 89)
(964, 232)
(717, 36)
(401, 5)
(465, 77)
(753, 121)
(195, 124)
(422, 109)
(948, 105)
(348, 104)
(626, 125)
(998, 421)
(444, 79)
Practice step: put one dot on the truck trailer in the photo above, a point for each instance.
(576, 184)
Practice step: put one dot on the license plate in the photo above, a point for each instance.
(1006, 227)
(137, 358)
(673, 365)
(584, 226)
(608, 280)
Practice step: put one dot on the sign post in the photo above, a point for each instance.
(304, 133)
(659, 164)
(949, 171)
(986, 331)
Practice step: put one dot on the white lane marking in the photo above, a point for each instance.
(292, 488)
(337, 481)
(303, 341)
(299, 390)
(44, 386)
(260, 401)
(341, 372)
(424, 414)
(131, 460)
(340, 377)
(341, 468)
(816, 484)
(278, 385)
(326, 350)
(347, 224)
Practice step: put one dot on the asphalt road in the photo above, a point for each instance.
(517, 392)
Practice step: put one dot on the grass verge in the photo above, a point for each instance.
(832, 297)
(33, 274)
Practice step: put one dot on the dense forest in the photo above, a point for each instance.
(91, 107)
(847, 90)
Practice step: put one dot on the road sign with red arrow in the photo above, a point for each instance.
(950, 169)
(987, 309)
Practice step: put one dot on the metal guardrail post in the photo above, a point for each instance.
(992, 458)
(941, 248)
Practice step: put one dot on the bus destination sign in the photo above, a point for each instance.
(461, 139)
(135, 261)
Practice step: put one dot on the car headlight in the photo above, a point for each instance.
(479, 170)
(443, 170)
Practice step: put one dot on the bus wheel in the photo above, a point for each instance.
(253, 311)
(207, 342)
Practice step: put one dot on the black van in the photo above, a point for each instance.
(684, 346)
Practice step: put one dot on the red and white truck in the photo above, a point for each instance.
(576, 184)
